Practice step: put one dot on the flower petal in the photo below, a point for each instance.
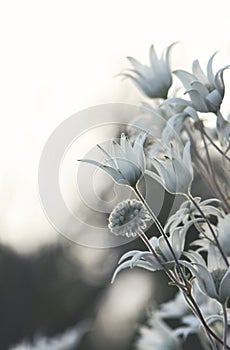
(139, 152)
(204, 278)
(197, 101)
(224, 289)
(116, 175)
(198, 72)
(185, 77)
(210, 70)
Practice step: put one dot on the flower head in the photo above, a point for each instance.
(175, 172)
(206, 92)
(188, 212)
(126, 164)
(222, 230)
(213, 278)
(128, 218)
(155, 80)
(164, 256)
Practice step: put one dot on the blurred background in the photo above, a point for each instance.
(58, 58)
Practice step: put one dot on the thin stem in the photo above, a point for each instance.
(210, 228)
(212, 172)
(186, 291)
(161, 230)
(215, 146)
(144, 238)
(207, 328)
(202, 167)
(225, 333)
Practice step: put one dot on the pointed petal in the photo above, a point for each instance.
(116, 175)
(108, 160)
(198, 72)
(123, 266)
(128, 150)
(185, 77)
(202, 89)
(215, 260)
(187, 157)
(192, 112)
(210, 70)
(195, 257)
(197, 100)
(139, 151)
(219, 81)
(204, 278)
(136, 64)
(165, 249)
(166, 53)
(224, 290)
(154, 60)
(127, 255)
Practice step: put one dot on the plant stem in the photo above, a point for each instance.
(145, 239)
(215, 146)
(161, 230)
(207, 328)
(210, 228)
(225, 333)
(212, 172)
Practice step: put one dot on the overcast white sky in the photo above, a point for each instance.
(58, 57)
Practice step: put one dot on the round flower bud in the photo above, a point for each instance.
(129, 218)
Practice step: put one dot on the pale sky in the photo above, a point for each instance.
(58, 57)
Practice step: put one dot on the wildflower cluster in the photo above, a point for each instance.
(193, 247)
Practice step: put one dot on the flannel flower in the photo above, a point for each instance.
(146, 260)
(124, 163)
(222, 230)
(213, 278)
(188, 212)
(206, 92)
(175, 172)
(154, 81)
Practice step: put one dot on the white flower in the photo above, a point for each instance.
(153, 81)
(222, 231)
(175, 172)
(147, 260)
(213, 278)
(158, 337)
(188, 212)
(129, 218)
(126, 164)
(205, 91)
(223, 228)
